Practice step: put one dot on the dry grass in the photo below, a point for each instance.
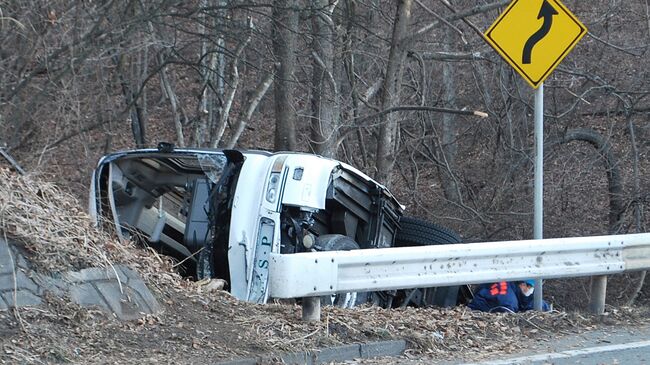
(58, 236)
(201, 323)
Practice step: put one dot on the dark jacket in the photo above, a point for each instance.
(502, 297)
(496, 297)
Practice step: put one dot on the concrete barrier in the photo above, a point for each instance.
(118, 290)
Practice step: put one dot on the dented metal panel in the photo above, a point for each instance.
(311, 274)
(307, 183)
(636, 256)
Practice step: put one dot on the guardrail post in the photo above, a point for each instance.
(598, 291)
(311, 309)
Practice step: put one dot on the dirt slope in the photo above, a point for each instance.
(198, 325)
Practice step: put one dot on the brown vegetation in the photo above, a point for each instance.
(199, 325)
(79, 79)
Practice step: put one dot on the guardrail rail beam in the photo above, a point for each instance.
(317, 274)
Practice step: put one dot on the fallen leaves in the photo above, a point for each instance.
(210, 285)
(59, 236)
(201, 321)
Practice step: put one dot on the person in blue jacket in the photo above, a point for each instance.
(505, 296)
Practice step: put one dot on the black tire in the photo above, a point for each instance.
(416, 232)
(335, 242)
(338, 242)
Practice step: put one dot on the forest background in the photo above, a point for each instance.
(388, 86)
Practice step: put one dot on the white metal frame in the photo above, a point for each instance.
(322, 273)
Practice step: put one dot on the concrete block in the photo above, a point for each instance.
(19, 259)
(86, 294)
(383, 348)
(93, 274)
(88, 287)
(6, 260)
(329, 355)
(151, 302)
(8, 263)
(126, 306)
(99, 287)
(25, 282)
(294, 358)
(24, 298)
(6, 281)
(22, 282)
(337, 354)
(247, 361)
(128, 272)
(49, 284)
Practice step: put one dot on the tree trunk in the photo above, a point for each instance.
(284, 46)
(173, 101)
(201, 127)
(448, 146)
(137, 121)
(325, 91)
(212, 70)
(387, 142)
(215, 139)
(350, 68)
(638, 204)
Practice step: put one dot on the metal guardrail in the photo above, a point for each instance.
(322, 273)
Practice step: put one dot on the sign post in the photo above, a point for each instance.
(538, 202)
(534, 36)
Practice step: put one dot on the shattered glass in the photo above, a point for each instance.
(212, 165)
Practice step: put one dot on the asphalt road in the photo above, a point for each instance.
(627, 353)
(610, 346)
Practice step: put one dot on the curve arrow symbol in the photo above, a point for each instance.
(547, 11)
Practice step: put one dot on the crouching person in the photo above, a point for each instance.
(505, 296)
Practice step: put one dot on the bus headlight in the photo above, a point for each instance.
(272, 189)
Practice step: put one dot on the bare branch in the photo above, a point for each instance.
(461, 15)
(420, 108)
(639, 54)
(173, 101)
(465, 20)
(330, 77)
(255, 99)
(445, 21)
(11, 161)
(234, 82)
(452, 56)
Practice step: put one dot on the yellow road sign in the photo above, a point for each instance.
(533, 36)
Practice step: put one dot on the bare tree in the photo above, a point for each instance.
(212, 61)
(373, 82)
(390, 97)
(325, 90)
(230, 97)
(251, 104)
(285, 17)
